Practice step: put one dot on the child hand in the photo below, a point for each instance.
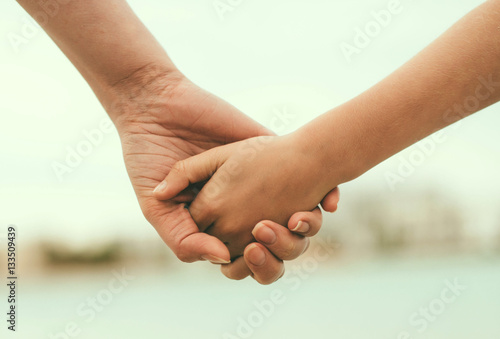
(262, 178)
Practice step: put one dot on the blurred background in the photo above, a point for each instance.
(413, 251)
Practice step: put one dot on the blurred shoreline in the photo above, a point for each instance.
(369, 227)
(40, 259)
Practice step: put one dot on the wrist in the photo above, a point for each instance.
(127, 99)
(333, 147)
(326, 169)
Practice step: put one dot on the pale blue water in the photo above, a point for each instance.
(364, 299)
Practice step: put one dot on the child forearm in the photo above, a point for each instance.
(457, 75)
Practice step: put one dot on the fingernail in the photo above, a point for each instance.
(264, 234)
(161, 187)
(301, 227)
(256, 256)
(215, 260)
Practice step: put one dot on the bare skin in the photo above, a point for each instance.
(162, 118)
(272, 177)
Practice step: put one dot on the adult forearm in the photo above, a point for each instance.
(457, 75)
(104, 39)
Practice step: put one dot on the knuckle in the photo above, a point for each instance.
(235, 270)
(272, 278)
(230, 231)
(201, 212)
(289, 251)
(265, 280)
(270, 274)
(181, 255)
(179, 167)
(311, 232)
(235, 276)
(182, 250)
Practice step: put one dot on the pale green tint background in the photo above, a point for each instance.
(395, 248)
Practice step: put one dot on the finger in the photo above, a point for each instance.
(306, 223)
(236, 270)
(189, 194)
(279, 240)
(181, 234)
(331, 200)
(190, 171)
(184, 197)
(230, 234)
(265, 267)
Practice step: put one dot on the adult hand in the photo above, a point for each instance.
(162, 118)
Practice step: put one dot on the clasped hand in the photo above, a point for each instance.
(246, 184)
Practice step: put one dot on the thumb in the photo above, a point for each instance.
(181, 234)
(190, 171)
(204, 246)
